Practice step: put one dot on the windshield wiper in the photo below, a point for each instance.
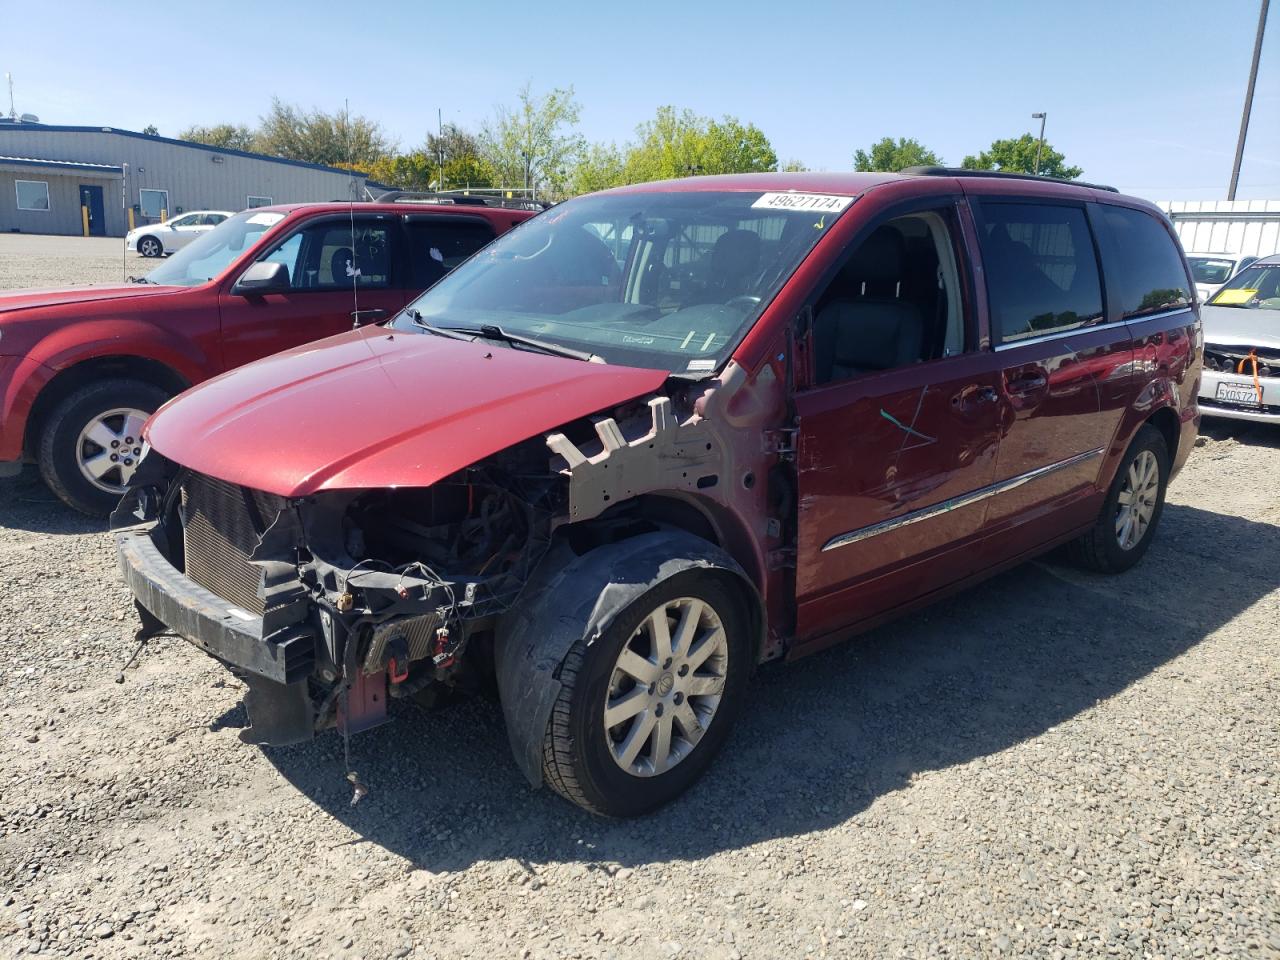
(489, 331)
(449, 332)
(139, 280)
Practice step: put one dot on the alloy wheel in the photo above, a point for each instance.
(1136, 505)
(109, 448)
(666, 686)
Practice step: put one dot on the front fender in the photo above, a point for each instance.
(90, 339)
(574, 597)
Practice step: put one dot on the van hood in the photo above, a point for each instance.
(1241, 327)
(377, 408)
(31, 299)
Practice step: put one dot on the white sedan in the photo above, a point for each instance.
(157, 239)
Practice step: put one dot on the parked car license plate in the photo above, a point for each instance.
(1238, 393)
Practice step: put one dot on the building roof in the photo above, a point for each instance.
(226, 151)
(100, 168)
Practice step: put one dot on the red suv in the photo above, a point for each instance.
(82, 369)
(658, 435)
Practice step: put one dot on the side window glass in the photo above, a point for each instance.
(1041, 269)
(343, 256)
(287, 253)
(896, 301)
(436, 248)
(328, 256)
(1152, 278)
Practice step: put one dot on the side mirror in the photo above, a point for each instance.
(264, 276)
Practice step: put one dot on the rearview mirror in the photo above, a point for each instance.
(264, 276)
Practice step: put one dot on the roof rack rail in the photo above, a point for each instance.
(999, 175)
(458, 199)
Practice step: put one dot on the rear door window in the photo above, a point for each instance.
(1151, 276)
(438, 244)
(1041, 268)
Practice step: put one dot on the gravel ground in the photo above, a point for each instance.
(1053, 764)
(43, 262)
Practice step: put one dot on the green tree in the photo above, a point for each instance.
(1019, 156)
(229, 135)
(681, 143)
(793, 166)
(416, 170)
(314, 136)
(892, 155)
(151, 130)
(464, 161)
(599, 167)
(537, 136)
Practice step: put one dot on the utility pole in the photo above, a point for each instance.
(13, 114)
(1248, 100)
(440, 148)
(1039, 146)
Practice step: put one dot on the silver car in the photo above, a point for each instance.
(1241, 378)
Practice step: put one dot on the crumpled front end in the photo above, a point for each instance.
(329, 605)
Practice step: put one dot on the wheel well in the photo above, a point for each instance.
(1166, 421)
(99, 368)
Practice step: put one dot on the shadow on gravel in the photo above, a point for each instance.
(822, 738)
(1243, 431)
(27, 504)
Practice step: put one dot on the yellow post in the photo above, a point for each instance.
(130, 218)
(84, 219)
(164, 214)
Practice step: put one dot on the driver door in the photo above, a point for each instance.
(898, 428)
(340, 271)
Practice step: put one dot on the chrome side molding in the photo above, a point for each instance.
(955, 503)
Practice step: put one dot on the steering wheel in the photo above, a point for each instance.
(742, 300)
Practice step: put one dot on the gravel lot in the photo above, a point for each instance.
(1054, 764)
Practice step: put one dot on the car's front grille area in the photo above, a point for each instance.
(222, 524)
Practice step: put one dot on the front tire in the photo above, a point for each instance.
(1130, 514)
(150, 247)
(92, 442)
(644, 709)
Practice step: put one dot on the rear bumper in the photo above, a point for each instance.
(1212, 406)
(223, 631)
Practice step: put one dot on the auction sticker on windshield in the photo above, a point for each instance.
(821, 202)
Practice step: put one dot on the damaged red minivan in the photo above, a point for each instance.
(658, 435)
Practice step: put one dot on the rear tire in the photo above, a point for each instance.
(69, 455)
(1130, 514)
(588, 762)
(150, 247)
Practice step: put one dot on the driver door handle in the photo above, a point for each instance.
(1027, 382)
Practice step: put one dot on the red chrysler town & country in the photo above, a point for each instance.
(660, 434)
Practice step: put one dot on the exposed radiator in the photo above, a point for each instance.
(222, 526)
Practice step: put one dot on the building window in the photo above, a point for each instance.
(32, 194)
(154, 203)
(259, 202)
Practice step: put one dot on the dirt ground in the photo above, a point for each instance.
(1054, 764)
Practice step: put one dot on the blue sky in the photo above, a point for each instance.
(1143, 95)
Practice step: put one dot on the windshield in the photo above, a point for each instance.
(667, 280)
(208, 255)
(1210, 269)
(1256, 287)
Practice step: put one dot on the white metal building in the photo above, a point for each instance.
(1226, 226)
(99, 181)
